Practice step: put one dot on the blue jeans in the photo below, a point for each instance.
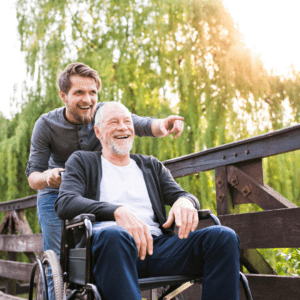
(51, 228)
(212, 252)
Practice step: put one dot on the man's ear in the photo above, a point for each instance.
(98, 132)
(62, 96)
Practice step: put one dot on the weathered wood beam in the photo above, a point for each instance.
(4, 296)
(4, 224)
(11, 285)
(21, 243)
(262, 195)
(254, 169)
(16, 270)
(255, 263)
(224, 203)
(21, 224)
(272, 143)
(22, 288)
(279, 228)
(272, 287)
(17, 204)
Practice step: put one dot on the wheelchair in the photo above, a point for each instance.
(73, 274)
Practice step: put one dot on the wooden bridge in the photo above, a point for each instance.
(238, 179)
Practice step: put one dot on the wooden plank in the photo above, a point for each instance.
(255, 263)
(22, 243)
(224, 203)
(4, 296)
(273, 143)
(278, 228)
(22, 288)
(254, 169)
(11, 285)
(16, 270)
(17, 204)
(4, 224)
(263, 196)
(21, 223)
(272, 287)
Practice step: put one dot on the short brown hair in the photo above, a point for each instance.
(64, 82)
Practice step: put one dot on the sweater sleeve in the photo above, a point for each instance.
(77, 193)
(39, 149)
(142, 125)
(171, 190)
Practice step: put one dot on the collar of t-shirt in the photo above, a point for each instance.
(125, 185)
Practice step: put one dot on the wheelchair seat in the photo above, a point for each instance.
(76, 264)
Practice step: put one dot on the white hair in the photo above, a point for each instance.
(100, 113)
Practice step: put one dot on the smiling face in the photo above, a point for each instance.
(81, 100)
(116, 132)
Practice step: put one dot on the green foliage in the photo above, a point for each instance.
(158, 58)
(285, 261)
(288, 261)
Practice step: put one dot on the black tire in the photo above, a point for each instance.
(50, 259)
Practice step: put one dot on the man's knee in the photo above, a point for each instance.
(220, 237)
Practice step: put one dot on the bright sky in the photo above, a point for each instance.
(270, 27)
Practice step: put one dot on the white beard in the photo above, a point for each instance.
(121, 150)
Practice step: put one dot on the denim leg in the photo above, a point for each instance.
(49, 222)
(115, 254)
(212, 252)
(51, 228)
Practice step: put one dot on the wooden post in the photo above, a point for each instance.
(224, 203)
(11, 285)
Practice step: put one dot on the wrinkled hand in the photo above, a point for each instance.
(172, 124)
(53, 177)
(137, 229)
(185, 215)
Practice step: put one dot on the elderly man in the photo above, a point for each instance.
(61, 132)
(132, 236)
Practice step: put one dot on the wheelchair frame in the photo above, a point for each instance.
(77, 271)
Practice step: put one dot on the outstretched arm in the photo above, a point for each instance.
(169, 125)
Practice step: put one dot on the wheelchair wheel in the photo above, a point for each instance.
(51, 266)
(39, 286)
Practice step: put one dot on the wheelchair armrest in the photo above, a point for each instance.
(207, 214)
(203, 213)
(80, 218)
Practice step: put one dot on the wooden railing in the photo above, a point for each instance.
(16, 236)
(238, 179)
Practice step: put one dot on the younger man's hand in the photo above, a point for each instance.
(53, 177)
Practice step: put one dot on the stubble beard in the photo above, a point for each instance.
(84, 120)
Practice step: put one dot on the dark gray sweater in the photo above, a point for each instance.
(80, 189)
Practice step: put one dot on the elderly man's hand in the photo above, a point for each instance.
(185, 216)
(169, 125)
(137, 228)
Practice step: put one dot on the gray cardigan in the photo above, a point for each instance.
(80, 189)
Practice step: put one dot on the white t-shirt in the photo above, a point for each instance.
(126, 186)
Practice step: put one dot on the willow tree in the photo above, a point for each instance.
(157, 57)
